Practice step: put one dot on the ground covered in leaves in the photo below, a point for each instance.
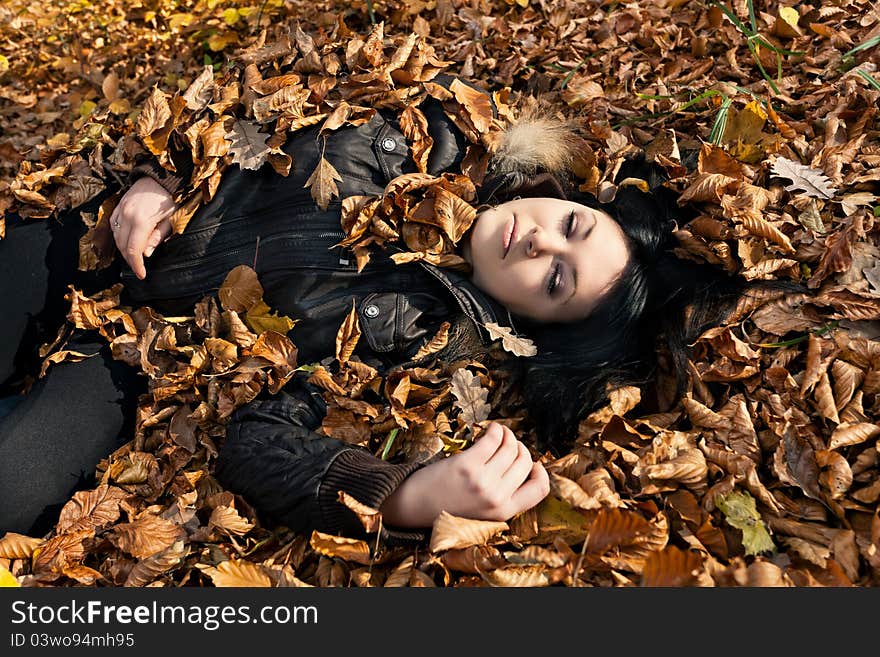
(765, 473)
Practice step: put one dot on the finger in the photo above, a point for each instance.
(165, 228)
(518, 471)
(485, 446)
(121, 232)
(154, 241)
(503, 457)
(134, 249)
(533, 490)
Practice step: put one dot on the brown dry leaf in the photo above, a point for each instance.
(323, 183)
(436, 343)
(370, 518)
(519, 576)
(471, 398)
(347, 336)
(146, 536)
(415, 128)
(349, 549)
(201, 91)
(92, 509)
(476, 559)
(153, 123)
(449, 532)
(247, 145)
(836, 475)
(614, 528)
(796, 464)
(240, 290)
(852, 433)
(476, 104)
(149, 569)
(238, 573)
(570, 492)
(227, 519)
(515, 344)
(803, 178)
(672, 567)
(18, 546)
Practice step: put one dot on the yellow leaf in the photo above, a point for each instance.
(4, 64)
(176, 21)
(789, 15)
(231, 16)
(86, 108)
(260, 318)
(120, 106)
(7, 579)
(219, 41)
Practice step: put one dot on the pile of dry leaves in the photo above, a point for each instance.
(763, 114)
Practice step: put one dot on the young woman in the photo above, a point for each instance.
(593, 285)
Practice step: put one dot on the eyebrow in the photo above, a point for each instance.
(574, 270)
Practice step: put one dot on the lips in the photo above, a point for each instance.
(507, 237)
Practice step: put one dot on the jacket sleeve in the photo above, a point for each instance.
(273, 457)
(146, 164)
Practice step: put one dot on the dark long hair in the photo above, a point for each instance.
(658, 306)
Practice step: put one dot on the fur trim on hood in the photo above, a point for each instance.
(536, 142)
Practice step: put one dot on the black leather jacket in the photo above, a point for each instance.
(272, 455)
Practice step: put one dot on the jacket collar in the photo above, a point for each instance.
(475, 303)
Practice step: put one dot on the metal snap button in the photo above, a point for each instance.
(371, 311)
(388, 144)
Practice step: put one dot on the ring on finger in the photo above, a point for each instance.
(116, 223)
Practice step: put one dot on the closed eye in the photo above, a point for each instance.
(566, 227)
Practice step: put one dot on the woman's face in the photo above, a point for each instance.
(548, 259)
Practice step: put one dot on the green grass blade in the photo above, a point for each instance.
(769, 46)
(720, 123)
(761, 66)
(869, 78)
(870, 43)
(822, 330)
(734, 19)
(388, 443)
(752, 21)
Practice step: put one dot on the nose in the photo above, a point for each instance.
(538, 242)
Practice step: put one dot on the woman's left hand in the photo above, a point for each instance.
(141, 221)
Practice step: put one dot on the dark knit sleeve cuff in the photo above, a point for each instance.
(170, 181)
(370, 481)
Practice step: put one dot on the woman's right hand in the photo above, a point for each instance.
(494, 479)
(141, 221)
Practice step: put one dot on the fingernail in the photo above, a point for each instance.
(149, 252)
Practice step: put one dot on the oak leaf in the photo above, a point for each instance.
(248, 145)
(803, 178)
(515, 344)
(470, 396)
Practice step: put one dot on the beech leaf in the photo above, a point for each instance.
(451, 531)
(740, 510)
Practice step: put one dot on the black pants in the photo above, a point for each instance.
(52, 438)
